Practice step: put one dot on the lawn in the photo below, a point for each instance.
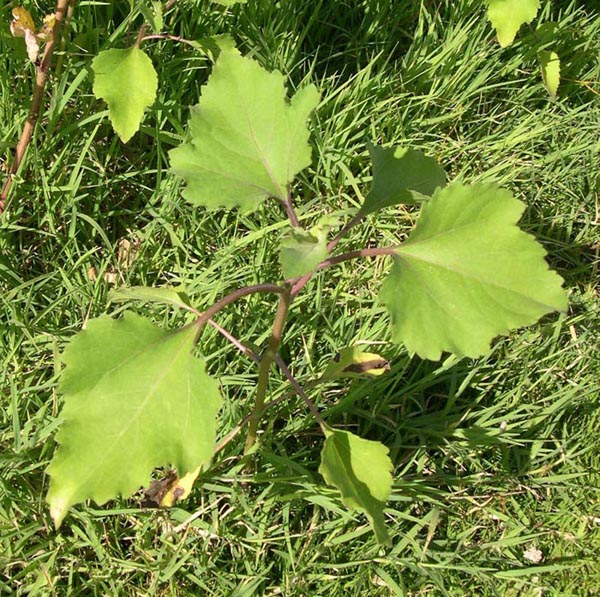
(496, 460)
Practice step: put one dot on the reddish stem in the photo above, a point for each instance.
(234, 296)
(301, 283)
(371, 252)
(289, 209)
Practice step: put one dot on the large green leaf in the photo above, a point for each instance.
(401, 176)
(467, 273)
(135, 399)
(361, 470)
(507, 16)
(127, 81)
(247, 141)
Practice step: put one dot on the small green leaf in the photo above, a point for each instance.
(401, 176)
(362, 471)
(550, 65)
(153, 15)
(248, 143)
(467, 273)
(352, 361)
(147, 294)
(301, 251)
(127, 81)
(229, 2)
(134, 398)
(158, 16)
(507, 16)
(546, 32)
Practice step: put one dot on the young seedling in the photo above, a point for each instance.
(135, 397)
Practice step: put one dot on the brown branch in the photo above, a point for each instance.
(169, 37)
(41, 75)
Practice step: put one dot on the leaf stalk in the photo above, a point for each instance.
(368, 252)
(234, 296)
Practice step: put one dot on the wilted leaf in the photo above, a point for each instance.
(22, 25)
(47, 30)
(21, 22)
(170, 489)
(353, 362)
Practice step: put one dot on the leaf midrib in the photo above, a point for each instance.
(408, 257)
(130, 421)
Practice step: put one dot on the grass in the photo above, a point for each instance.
(492, 456)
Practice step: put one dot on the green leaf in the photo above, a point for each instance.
(352, 361)
(127, 81)
(213, 46)
(301, 251)
(401, 176)
(164, 296)
(546, 33)
(229, 2)
(135, 398)
(550, 65)
(467, 273)
(248, 143)
(153, 15)
(507, 16)
(361, 470)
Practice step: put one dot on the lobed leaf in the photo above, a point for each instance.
(127, 81)
(361, 470)
(467, 273)
(507, 16)
(247, 142)
(401, 176)
(134, 398)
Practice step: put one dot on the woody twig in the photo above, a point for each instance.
(41, 75)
